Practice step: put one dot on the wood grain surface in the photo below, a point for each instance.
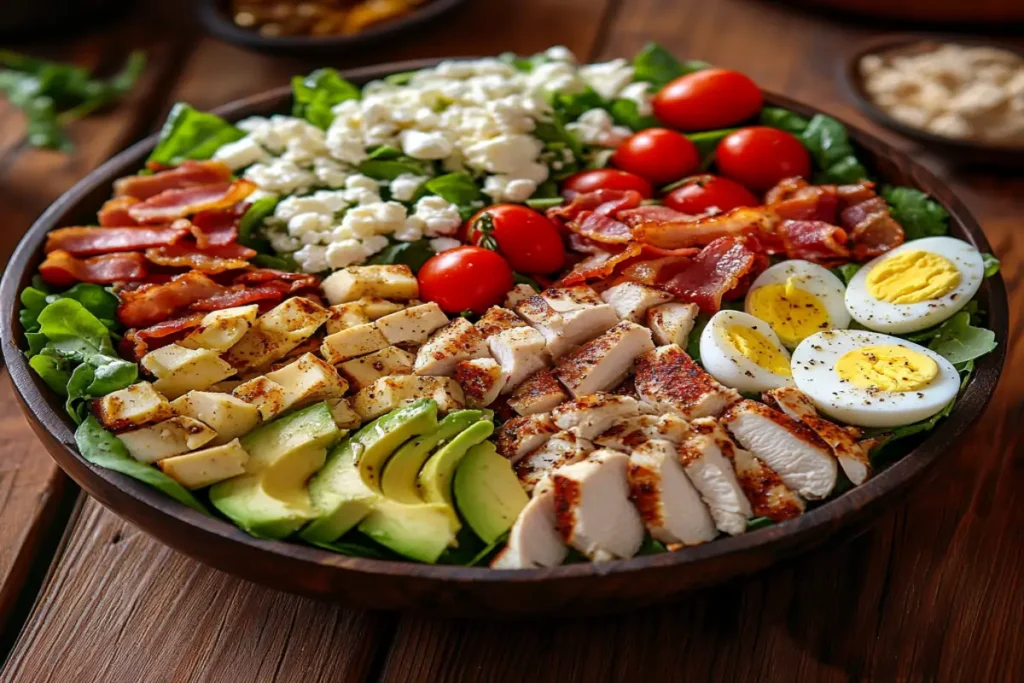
(932, 591)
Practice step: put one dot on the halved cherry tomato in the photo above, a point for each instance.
(758, 157)
(711, 98)
(659, 155)
(465, 278)
(529, 240)
(703, 192)
(608, 179)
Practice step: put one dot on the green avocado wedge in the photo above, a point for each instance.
(421, 531)
(435, 479)
(399, 480)
(487, 492)
(382, 437)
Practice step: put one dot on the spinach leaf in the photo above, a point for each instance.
(627, 113)
(706, 142)
(94, 298)
(280, 262)
(253, 217)
(651, 546)
(991, 264)
(191, 134)
(53, 370)
(314, 96)
(388, 169)
(77, 389)
(541, 203)
(693, 341)
(829, 144)
(657, 66)
(571, 105)
(958, 341)
(384, 153)
(783, 119)
(520, 279)
(103, 449)
(457, 188)
(412, 254)
(846, 271)
(919, 215)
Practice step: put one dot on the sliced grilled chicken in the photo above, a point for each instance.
(497, 319)
(670, 506)
(628, 434)
(852, 455)
(520, 435)
(671, 323)
(604, 362)
(712, 474)
(456, 341)
(534, 540)
(518, 295)
(593, 512)
(539, 393)
(565, 299)
(481, 380)
(591, 415)
(631, 300)
(764, 488)
(567, 317)
(520, 351)
(803, 460)
(667, 378)
(563, 448)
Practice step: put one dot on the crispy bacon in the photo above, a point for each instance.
(815, 241)
(297, 281)
(795, 199)
(716, 271)
(137, 343)
(873, 230)
(663, 227)
(604, 202)
(217, 228)
(210, 260)
(240, 297)
(153, 303)
(601, 228)
(114, 212)
(188, 174)
(172, 204)
(81, 241)
(856, 193)
(61, 269)
(600, 264)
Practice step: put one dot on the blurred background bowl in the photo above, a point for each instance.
(929, 11)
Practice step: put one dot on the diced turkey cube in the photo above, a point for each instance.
(539, 393)
(533, 541)
(631, 432)
(565, 330)
(631, 300)
(412, 325)
(220, 330)
(713, 475)
(309, 380)
(591, 415)
(344, 416)
(604, 362)
(481, 380)
(276, 333)
(520, 435)
(671, 323)
(269, 397)
(520, 351)
(518, 295)
(369, 368)
(347, 315)
(565, 299)
(667, 378)
(563, 448)
(134, 406)
(389, 393)
(497, 319)
(179, 370)
(200, 469)
(227, 415)
(593, 512)
(456, 341)
(171, 437)
(668, 503)
(356, 282)
(353, 342)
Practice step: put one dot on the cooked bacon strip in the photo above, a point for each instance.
(137, 343)
(815, 241)
(795, 199)
(178, 203)
(600, 265)
(298, 281)
(240, 297)
(603, 202)
(663, 227)
(114, 212)
(82, 241)
(855, 194)
(188, 174)
(873, 230)
(217, 228)
(601, 228)
(717, 270)
(153, 303)
(61, 269)
(211, 260)
(658, 271)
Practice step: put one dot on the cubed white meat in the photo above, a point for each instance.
(371, 367)
(520, 435)
(481, 380)
(631, 300)
(667, 378)
(389, 393)
(518, 295)
(593, 414)
(604, 362)
(520, 351)
(565, 299)
(666, 499)
(539, 393)
(713, 475)
(412, 325)
(671, 323)
(456, 341)
(497, 319)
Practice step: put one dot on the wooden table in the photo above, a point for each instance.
(932, 591)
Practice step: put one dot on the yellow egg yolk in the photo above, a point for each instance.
(912, 277)
(793, 313)
(756, 348)
(887, 368)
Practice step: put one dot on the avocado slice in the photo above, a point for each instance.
(399, 480)
(383, 436)
(487, 492)
(421, 531)
(270, 500)
(435, 479)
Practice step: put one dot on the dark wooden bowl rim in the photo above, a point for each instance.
(130, 498)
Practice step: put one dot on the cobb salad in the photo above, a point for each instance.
(509, 311)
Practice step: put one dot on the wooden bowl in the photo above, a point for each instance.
(961, 151)
(568, 590)
(973, 13)
(216, 18)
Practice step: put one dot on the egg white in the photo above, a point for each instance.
(905, 318)
(813, 279)
(814, 371)
(730, 367)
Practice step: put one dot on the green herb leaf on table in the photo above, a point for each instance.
(192, 134)
(520, 279)
(657, 66)
(314, 96)
(919, 215)
(991, 264)
(412, 254)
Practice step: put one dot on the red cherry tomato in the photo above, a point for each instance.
(702, 192)
(758, 157)
(528, 240)
(608, 179)
(711, 98)
(464, 278)
(659, 155)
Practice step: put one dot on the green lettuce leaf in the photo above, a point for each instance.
(846, 271)
(657, 66)
(627, 113)
(252, 219)
(958, 341)
(783, 119)
(192, 134)
(412, 254)
(829, 144)
(457, 188)
(991, 264)
(53, 370)
(919, 215)
(389, 169)
(314, 96)
(706, 142)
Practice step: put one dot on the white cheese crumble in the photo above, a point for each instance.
(596, 127)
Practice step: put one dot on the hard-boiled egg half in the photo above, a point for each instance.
(916, 285)
(870, 379)
(798, 299)
(742, 352)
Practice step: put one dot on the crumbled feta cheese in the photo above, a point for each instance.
(280, 176)
(332, 199)
(283, 242)
(411, 230)
(419, 145)
(311, 258)
(345, 253)
(439, 216)
(439, 244)
(307, 223)
(329, 172)
(403, 188)
(290, 207)
(596, 127)
(641, 94)
(560, 53)
(381, 218)
(607, 78)
(241, 153)
(501, 188)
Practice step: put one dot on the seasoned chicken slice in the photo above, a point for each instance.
(851, 454)
(764, 488)
(539, 393)
(712, 474)
(604, 362)
(533, 540)
(412, 325)
(520, 351)
(631, 432)
(668, 379)
(359, 312)
(670, 506)
(591, 415)
(497, 319)
(481, 380)
(520, 435)
(631, 300)
(593, 512)
(518, 295)
(671, 323)
(576, 319)
(803, 460)
(563, 448)
(456, 341)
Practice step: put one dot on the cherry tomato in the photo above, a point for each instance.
(702, 192)
(528, 240)
(464, 278)
(759, 157)
(659, 155)
(608, 179)
(711, 98)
